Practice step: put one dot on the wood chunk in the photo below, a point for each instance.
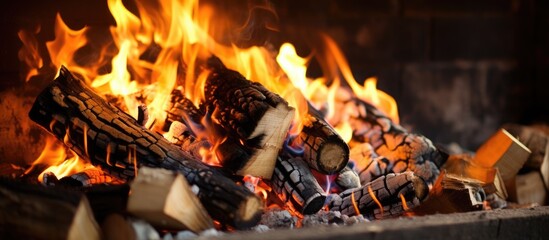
(462, 165)
(387, 196)
(452, 193)
(37, 212)
(528, 188)
(535, 140)
(57, 107)
(165, 199)
(504, 152)
(296, 186)
(324, 150)
(116, 227)
(248, 119)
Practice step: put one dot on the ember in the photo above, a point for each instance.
(192, 134)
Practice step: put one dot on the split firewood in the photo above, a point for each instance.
(528, 188)
(38, 212)
(248, 123)
(114, 140)
(295, 185)
(116, 226)
(324, 150)
(347, 178)
(504, 152)
(463, 165)
(452, 193)
(387, 196)
(368, 164)
(535, 140)
(165, 199)
(404, 151)
(538, 142)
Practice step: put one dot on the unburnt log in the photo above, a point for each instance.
(387, 196)
(294, 183)
(404, 151)
(246, 121)
(324, 149)
(112, 139)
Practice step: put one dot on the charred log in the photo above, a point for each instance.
(294, 183)
(112, 139)
(404, 151)
(249, 122)
(387, 196)
(368, 164)
(324, 149)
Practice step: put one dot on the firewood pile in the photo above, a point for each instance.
(383, 172)
(235, 154)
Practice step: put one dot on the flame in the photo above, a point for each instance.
(163, 46)
(68, 167)
(28, 54)
(368, 92)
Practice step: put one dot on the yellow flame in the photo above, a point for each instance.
(368, 92)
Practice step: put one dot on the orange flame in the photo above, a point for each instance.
(28, 54)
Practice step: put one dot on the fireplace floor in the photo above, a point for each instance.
(523, 223)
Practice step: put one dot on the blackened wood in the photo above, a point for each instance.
(324, 149)
(247, 121)
(296, 186)
(90, 177)
(183, 110)
(368, 164)
(387, 190)
(404, 151)
(76, 115)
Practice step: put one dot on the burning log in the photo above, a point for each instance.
(108, 137)
(324, 150)
(86, 178)
(37, 212)
(404, 151)
(250, 123)
(387, 196)
(294, 183)
(165, 199)
(368, 164)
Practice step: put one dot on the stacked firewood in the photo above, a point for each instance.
(385, 172)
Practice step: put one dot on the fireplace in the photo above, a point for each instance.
(457, 71)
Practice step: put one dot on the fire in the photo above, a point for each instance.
(180, 36)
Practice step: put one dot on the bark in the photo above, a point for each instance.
(294, 184)
(389, 190)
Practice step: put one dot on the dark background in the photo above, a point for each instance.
(458, 69)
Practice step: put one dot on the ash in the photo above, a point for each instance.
(331, 218)
(278, 218)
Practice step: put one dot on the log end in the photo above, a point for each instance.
(314, 204)
(333, 157)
